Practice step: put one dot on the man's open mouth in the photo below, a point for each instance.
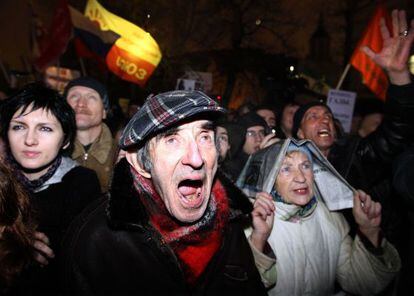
(191, 192)
(324, 133)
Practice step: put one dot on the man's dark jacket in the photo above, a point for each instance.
(366, 163)
(113, 250)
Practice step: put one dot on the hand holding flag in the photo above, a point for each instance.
(395, 52)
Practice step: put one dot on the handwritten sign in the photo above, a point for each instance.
(342, 105)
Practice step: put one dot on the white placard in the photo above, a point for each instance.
(185, 84)
(206, 79)
(342, 105)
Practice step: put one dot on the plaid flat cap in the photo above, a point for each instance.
(164, 110)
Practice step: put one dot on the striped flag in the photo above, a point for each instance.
(89, 40)
(135, 55)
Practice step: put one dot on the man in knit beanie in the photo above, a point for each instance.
(94, 145)
(366, 162)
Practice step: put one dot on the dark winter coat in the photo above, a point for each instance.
(54, 209)
(113, 250)
(366, 163)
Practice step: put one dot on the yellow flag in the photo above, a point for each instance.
(135, 54)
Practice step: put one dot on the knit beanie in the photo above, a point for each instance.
(92, 83)
(251, 119)
(297, 118)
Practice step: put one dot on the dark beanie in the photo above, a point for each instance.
(297, 118)
(251, 119)
(90, 83)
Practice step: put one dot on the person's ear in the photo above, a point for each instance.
(104, 114)
(133, 160)
(300, 134)
(66, 146)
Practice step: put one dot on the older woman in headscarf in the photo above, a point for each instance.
(311, 243)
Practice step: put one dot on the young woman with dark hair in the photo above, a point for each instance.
(38, 127)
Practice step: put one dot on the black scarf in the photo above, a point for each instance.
(32, 185)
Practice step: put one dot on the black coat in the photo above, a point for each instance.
(56, 206)
(366, 163)
(54, 209)
(113, 250)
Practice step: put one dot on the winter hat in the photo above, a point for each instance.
(92, 83)
(251, 119)
(165, 110)
(297, 118)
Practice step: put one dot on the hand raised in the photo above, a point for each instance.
(367, 214)
(268, 140)
(394, 55)
(262, 216)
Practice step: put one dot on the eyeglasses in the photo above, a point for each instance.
(255, 134)
(222, 139)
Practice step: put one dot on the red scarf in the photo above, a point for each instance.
(194, 244)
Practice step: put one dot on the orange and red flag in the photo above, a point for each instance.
(135, 55)
(372, 75)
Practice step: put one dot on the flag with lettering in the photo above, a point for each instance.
(135, 55)
(89, 40)
(372, 75)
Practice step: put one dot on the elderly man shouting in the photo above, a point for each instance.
(171, 225)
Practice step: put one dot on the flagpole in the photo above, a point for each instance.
(82, 64)
(338, 86)
(58, 69)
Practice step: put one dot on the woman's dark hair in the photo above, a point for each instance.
(36, 96)
(17, 228)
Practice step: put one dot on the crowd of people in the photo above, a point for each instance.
(184, 200)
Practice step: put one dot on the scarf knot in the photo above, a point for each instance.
(34, 185)
(292, 213)
(194, 244)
